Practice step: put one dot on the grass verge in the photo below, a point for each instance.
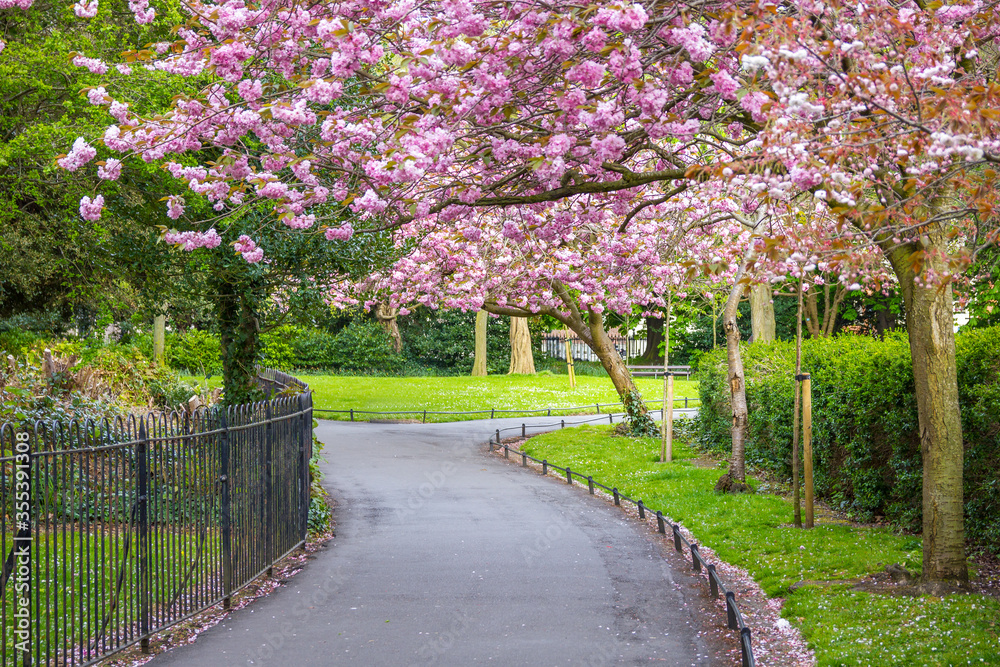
(753, 531)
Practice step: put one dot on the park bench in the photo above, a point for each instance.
(657, 371)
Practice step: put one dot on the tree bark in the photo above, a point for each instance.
(929, 324)
(386, 316)
(762, 314)
(735, 479)
(822, 327)
(654, 338)
(522, 361)
(479, 363)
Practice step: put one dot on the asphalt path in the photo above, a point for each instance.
(446, 555)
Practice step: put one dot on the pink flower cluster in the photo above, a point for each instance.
(175, 207)
(91, 210)
(111, 170)
(248, 248)
(342, 233)
(79, 155)
(85, 9)
(192, 240)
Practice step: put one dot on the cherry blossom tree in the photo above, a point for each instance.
(891, 113)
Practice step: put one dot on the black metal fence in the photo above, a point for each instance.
(716, 585)
(628, 347)
(113, 531)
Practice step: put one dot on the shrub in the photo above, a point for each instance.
(866, 443)
(364, 346)
(196, 351)
(276, 347)
(314, 349)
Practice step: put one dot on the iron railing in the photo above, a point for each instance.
(682, 402)
(628, 347)
(716, 585)
(114, 531)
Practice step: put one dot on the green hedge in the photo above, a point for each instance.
(865, 437)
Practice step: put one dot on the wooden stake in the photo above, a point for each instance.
(807, 454)
(569, 365)
(159, 340)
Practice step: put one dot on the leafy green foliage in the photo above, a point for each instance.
(194, 351)
(866, 442)
(364, 346)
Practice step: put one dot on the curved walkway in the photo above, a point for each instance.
(447, 556)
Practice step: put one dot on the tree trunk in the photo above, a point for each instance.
(929, 324)
(386, 316)
(522, 361)
(822, 327)
(735, 480)
(604, 348)
(239, 335)
(762, 314)
(654, 338)
(479, 364)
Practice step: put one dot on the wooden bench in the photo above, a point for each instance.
(657, 371)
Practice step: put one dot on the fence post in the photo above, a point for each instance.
(598, 408)
(523, 431)
(268, 487)
(498, 436)
(506, 452)
(745, 647)
(618, 499)
(731, 610)
(642, 510)
(425, 416)
(142, 472)
(226, 510)
(713, 581)
(695, 561)
(590, 485)
(524, 460)
(569, 475)
(677, 537)
(563, 422)
(492, 413)
(659, 522)
(611, 419)
(545, 466)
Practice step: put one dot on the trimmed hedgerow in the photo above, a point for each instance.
(866, 442)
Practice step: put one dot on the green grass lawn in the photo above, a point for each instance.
(753, 532)
(464, 393)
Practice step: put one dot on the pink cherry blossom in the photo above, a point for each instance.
(91, 210)
(85, 9)
(111, 170)
(81, 154)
